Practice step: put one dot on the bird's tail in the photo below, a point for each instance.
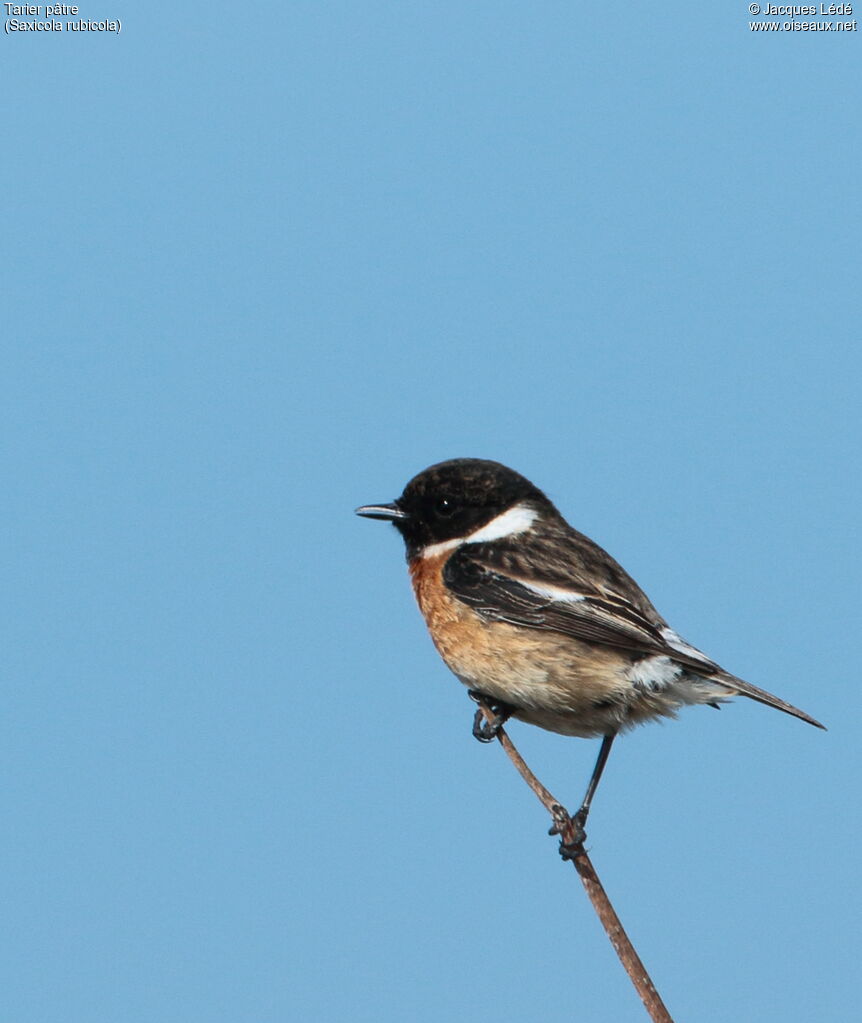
(738, 685)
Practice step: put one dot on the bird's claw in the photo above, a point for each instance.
(571, 831)
(483, 729)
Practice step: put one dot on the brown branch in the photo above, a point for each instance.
(601, 903)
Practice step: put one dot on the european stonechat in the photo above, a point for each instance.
(536, 619)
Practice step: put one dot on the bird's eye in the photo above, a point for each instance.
(444, 507)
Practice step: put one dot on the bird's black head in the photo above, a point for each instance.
(454, 499)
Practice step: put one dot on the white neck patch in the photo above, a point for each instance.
(508, 523)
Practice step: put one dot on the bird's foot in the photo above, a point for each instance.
(571, 831)
(483, 729)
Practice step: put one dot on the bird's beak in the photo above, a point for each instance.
(389, 512)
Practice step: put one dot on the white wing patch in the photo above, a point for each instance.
(553, 592)
(673, 639)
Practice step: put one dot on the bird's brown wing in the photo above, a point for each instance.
(607, 618)
(542, 603)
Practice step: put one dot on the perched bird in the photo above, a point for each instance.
(536, 619)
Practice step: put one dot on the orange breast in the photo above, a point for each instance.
(454, 628)
(532, 669)
(490, 656)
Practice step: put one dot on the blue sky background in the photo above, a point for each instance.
(264, 265)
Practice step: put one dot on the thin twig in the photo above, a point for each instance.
(601, 903)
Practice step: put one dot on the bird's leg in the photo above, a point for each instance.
(483, 729)
(575, 826)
